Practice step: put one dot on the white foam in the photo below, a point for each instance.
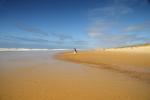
(21, 49)
(35, 49)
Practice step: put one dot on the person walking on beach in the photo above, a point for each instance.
(75, 51)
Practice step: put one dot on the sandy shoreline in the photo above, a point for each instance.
(133, 61)
(37, 76)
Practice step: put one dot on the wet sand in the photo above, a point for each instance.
(37, 76)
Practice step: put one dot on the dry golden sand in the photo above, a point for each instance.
(37, 76)
(131, 61)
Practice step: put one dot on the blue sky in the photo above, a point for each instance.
(73, 23)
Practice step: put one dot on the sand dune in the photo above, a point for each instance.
(138, 49)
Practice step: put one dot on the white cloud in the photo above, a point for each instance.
(107, 12)
(108, 26)
(140, 27)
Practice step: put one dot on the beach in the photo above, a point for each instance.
(38, 75)
(133, 61)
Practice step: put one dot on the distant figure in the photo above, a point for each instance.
(75, 51)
